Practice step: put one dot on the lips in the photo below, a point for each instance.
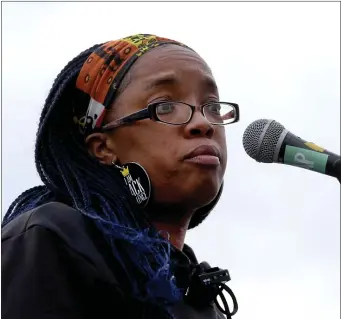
(204, 150)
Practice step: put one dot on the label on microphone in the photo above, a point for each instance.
(314, 147)
(305, 158)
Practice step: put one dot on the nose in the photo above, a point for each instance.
(199, 126)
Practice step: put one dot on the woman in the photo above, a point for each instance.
(131, 150)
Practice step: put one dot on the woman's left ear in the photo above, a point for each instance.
(101, 146)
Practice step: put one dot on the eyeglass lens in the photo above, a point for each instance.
(180, 113)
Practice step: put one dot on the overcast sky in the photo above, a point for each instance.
(276, 228)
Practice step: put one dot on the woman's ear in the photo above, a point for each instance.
(101, 146)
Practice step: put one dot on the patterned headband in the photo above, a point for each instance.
(103, 72)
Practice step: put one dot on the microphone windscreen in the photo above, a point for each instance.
(260, 139)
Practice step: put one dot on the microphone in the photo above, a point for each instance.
(268, 141)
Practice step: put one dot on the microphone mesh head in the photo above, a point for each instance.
(260, 140)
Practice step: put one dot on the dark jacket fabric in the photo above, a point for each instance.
(57, 265)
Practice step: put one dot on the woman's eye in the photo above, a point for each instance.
(165, 108)
(214, 108)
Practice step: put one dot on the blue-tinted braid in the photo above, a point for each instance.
(72, 176)
(14, 210)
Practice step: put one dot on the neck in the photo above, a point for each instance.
(172, 226)
(174, 233)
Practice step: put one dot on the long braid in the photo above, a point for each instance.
(72, 176)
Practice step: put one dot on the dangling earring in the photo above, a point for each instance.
(137, 180)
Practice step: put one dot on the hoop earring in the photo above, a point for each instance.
(137, 180)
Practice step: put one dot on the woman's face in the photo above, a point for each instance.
(170, 73)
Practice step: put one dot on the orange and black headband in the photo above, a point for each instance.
(103, 72)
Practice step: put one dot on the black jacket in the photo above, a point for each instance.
(57, 265)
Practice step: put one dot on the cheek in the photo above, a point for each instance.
(162, 158)
(221, 140)
(224, 151)
(151, 147)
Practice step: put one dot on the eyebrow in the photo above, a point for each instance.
(167, 79)
(171, 79)
(210, 83)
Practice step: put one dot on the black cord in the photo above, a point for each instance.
(226, 311)
(206, 285)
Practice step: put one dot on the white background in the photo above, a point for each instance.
(276, 228)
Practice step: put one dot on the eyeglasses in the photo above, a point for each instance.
(179, 113)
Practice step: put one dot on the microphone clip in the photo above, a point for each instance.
(206, 284)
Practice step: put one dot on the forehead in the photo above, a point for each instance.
(172, 61)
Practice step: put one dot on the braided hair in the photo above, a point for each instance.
(70, 175)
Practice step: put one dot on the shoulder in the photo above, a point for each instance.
(61, 227)
(51, 259)
(76, 231)
(54, 216)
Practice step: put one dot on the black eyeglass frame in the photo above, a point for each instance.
(150, 113)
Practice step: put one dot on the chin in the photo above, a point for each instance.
(204, 193)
